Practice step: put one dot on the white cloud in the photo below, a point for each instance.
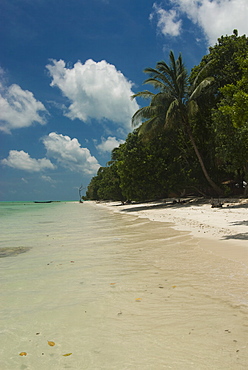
(107, 145)
(18, 108)
(168, 23)
(48, 179)
(95, 90)
(22, 161)
(69, 153)
(214, 17)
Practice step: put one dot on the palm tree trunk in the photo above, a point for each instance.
(208, 178)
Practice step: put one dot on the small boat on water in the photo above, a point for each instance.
(43, 201)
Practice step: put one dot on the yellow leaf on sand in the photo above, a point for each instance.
(51, 343)
(174, 286)
(67, 354)
(23, 354)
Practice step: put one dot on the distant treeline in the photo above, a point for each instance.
(192, 137)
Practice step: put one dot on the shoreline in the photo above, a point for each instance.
(222, 230)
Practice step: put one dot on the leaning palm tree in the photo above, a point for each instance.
(175, 103)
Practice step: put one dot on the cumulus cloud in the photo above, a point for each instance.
(168, 23)
(18, 108)
(107, 145)
(22, 161)
(69, 154)
(95, 90)
(214, 17)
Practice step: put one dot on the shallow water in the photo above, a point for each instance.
(115, 292)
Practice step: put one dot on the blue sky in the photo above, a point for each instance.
(67, 71)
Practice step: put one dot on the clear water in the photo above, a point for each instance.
(114, 292)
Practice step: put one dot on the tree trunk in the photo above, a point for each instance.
(209, 180)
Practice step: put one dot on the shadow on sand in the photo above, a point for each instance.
(239, 223)
(237, 205)
(162, 204)
(241, 236)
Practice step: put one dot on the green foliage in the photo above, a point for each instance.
(150, 169)
(223, 145)
(238, 108)
(191, 120)
(92, 189)
(231, 146)
(223, 60)
(106, 185)
(235, 97)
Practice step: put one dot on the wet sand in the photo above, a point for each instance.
(208, 301)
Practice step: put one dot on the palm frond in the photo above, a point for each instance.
(155, 74)
(172, 111)
(157, 84)
(173, 62)
(161, 99)
(143, 94)
(163, 68)
(202, 74)
(180, 65)
(193, 108)
(151, 71)
(181, 83)
(169, 74)
(144, 113)
(150, 127)
(137, 117)
(162, 77)
(202, 86)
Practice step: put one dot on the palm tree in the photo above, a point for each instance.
(175, 103)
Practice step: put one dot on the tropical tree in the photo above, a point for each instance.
(175, 104)
(109, 187)
(146, 168)
(235, 97)
(230, 122)
(223, 129)
(231, 147)
(105, 185)
(92, 188)
(223, 61)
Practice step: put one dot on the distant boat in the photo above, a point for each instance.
(43, 201)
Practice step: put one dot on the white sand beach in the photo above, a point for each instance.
(222, 230)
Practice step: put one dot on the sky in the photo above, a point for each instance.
(68, 70)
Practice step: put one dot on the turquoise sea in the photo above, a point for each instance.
(82, 287)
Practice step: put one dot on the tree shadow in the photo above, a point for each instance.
(241, 236)
(239, 223)
(237, 205)
(163, 204)
(144, 208)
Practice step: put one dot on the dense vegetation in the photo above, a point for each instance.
(192, 137)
